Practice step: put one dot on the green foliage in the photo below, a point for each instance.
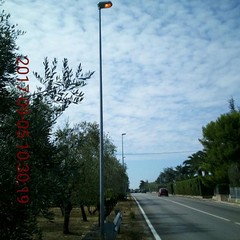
(16, 220)
(188, 187)
(148, 186)
(78, 151)
(170, 188)
(232, 106)
(182, 172)
(41, 184)
(234, 174)
(193, 187)
(8, 47)
(42, 163)
(167, 176)
(194, 164)
(61, 91)
(221, 141)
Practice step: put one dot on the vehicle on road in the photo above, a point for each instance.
(163, 192)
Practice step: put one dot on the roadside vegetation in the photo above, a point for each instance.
(133, 225)
(214, 168)
(55, 168)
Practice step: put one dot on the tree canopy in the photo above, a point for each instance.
(221, 142)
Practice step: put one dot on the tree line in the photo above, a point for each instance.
(63, 164)
(219, 160)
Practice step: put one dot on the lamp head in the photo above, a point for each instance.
(104, 5)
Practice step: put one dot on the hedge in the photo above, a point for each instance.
(192, 187)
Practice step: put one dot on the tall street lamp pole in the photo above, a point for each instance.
(101, 5)
(122, 149)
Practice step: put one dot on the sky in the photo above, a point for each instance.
(169, 68)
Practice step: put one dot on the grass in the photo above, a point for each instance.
(77, 227)
(133, 225)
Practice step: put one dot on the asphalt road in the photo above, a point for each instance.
(190, 219)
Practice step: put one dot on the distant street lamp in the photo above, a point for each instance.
(101, 5)
(122, 149)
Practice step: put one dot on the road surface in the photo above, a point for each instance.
(178, 218)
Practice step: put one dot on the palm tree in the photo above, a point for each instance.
(195, 164)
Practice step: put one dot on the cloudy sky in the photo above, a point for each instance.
(169, 68)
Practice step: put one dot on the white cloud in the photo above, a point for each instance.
(169, 67)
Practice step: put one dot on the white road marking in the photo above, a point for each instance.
(195, 209)
(156, 236)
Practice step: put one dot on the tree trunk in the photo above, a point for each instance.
(62, 210)
(66, 224)
(67, 211)
(89, 210)
(95, 210)
(84, 216)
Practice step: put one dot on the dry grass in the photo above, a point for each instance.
(78, 229)
(133, 225)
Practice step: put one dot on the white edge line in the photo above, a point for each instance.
(156, 236)
(195, 209)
